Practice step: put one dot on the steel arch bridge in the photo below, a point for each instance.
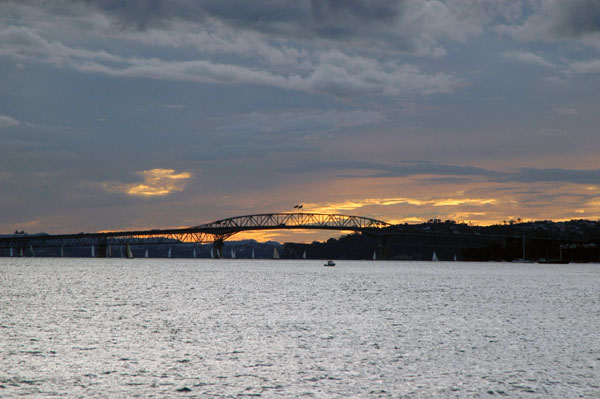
(215, 232)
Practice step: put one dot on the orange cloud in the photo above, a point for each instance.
(157, 182)
(356, 204)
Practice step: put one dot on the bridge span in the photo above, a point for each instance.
(215, 232)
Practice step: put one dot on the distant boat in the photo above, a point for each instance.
(329, 263)
(521, 261)
(11, 253)
(232, 253)
(304, 255)
(455, 257)
(169, 253)
(129, 252)
(275, 253)
(194, 253)
(93, 252)
(434, 258)
(374, 255)
(146, 253)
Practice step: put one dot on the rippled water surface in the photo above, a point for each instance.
(235, 328)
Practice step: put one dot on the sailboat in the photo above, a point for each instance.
(455, 257)
(434, 258)
(11, 253)
(169, 253)
(232, 253)
(304, 255)
(93, 252)
(522, 260)
(146, 253)
(129, 252)
(194, 253)
(374, 255)
(275, 253)
(32, 251)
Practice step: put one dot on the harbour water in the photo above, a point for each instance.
(169, 328)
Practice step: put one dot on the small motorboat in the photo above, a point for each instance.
(329, 263)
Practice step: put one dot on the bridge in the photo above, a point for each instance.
(215, 232)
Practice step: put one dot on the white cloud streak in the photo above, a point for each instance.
(583, 67)
(7, 121)
(528, 57)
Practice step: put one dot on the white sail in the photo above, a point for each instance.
(252, 253)
(434, 258)
(455, 257)
(11, 253)
(212, 253)
(146, 253)
(304, 255)
(93, 252)
(232, 253)
(374, 255)
(169, 253)
(32, 251)
(194, 253)
(129, 252)
(275, 253)
(21, 251)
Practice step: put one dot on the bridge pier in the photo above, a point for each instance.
(218, 248)
(383, 247)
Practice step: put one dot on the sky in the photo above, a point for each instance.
(137, 114)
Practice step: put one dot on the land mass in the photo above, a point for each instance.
(545, 241)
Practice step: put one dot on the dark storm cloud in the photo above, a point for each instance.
(578, 17)
(328, 18)
(551, 21)
(577, 176)
(413, 168)
(448, 173)
(412, 27)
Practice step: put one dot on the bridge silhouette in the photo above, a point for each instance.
(215, 232)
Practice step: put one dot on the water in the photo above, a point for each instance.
(173, 328)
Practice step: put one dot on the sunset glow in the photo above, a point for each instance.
(120, 115)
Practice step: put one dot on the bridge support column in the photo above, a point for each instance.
(218, 248)
(383, 247)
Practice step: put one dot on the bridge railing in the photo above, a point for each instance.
(288, 220)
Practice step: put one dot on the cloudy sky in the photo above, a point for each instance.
(122, 114)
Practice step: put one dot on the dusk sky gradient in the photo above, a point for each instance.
(149, 114)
